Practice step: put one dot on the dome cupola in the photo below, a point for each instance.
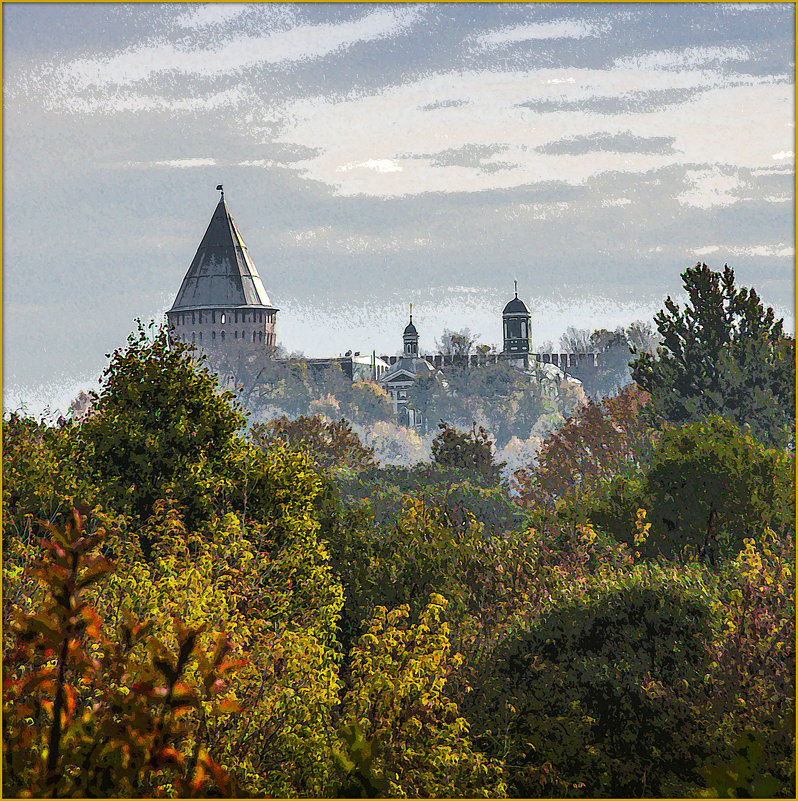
(515, 323)
(410, 337)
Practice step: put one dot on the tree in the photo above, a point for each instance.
(603, 696)
(398, 700)
(507, 401)
(470, 450)
(724, 354)
(160, 427)
(599, 441)
(327, 444)
(457, 343)
(641, 337)
(576, 340)
(707, 487)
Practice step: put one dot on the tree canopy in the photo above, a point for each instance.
(724, 353)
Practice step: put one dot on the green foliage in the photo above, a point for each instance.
(753, 672)
(707, 487)
(743, 777)
(41, 479)
(355, 763)
(469, 450)
(398, 699)
(330, 445)
(723, 354)
(160, 427)
(602, 696)
(574, 659)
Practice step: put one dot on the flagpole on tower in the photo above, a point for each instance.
(220, 188)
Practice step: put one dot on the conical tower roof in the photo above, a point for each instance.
(222, 273)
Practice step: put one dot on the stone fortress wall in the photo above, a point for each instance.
(576, 365)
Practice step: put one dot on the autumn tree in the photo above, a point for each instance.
(599, 441)
(469, 450)
(327, 444)
(724, 353)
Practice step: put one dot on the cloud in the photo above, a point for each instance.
(176, 163)
(779, 251)
(625, 142)
(378, 165)
(705, 251)
(710, 187)
(184, 163)
(326, 239)
(559, 29)
(687, 58)
(229, 55)
(618, 201)
(783, 155)
(445, 150)
(211, 14)
(627, 101)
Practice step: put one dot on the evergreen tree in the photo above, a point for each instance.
(723, 354)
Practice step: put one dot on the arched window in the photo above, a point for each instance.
(200, 336)
(260, 336)
(236, 334)
(193, 336)
(213, 336)
(200, 318)
(192, 318)
(222, 336)
(224, 318)
(253, 336)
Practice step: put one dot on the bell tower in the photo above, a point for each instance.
(410, 338)
(515, 322)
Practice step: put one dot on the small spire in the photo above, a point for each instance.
(411, 312)
(515, 284)
(220, 188)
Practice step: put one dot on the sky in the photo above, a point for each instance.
(377, 155)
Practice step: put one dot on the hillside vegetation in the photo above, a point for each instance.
(195, 606)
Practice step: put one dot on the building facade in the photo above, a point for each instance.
(222, 303)
(403, 374)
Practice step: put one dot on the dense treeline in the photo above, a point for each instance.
(195, 607)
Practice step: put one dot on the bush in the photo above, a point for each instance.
(603, 696)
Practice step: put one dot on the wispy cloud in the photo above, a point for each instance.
(779, 251)
(209, 15)
(689, 58)
(231, 54)
(559, 29)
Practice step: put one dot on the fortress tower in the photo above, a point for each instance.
(222, 302)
